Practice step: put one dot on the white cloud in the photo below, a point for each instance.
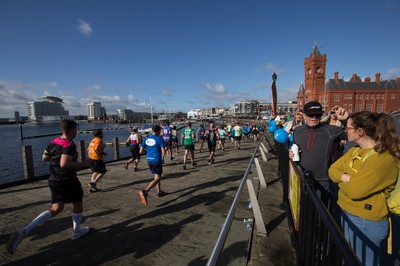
(215, 89)
(85, 28)
(15, 95)
(270, 67)
(93, 88)
(166, 92)
(393, 73)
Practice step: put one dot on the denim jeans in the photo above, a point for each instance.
(364, 236)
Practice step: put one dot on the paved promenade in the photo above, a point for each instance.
(178, 229)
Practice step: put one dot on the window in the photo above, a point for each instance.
(379, 107)
(348, 96)
(336, 98)
(366, 97)
(393, 96)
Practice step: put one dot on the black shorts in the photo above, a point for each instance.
(168, 143)
(155, 168)
(202, 138)
(97, 166)
(238, 138)
(212, 146)
(67, 191)
(189, 147)
(135, 152)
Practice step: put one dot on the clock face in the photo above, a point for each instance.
(318, 70)
(309, 71)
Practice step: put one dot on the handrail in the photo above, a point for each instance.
(228, 221)
(336, 233)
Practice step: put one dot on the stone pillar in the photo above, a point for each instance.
(116, 148)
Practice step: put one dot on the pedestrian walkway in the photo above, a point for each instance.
(180, 228)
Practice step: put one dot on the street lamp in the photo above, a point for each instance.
(274, 77)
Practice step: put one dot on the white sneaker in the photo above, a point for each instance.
(82, 231)
(15, 240)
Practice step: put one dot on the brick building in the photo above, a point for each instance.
(354, 95)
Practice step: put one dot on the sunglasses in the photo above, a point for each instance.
(315, 115)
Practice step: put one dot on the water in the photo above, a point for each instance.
(11, 165)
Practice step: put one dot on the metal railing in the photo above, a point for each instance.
(318, 239)
(228, 221)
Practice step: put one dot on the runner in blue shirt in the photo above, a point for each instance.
(155, 150)
(166, 135)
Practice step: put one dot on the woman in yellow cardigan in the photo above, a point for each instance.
(366, 174)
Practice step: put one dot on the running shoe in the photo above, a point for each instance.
(135, 169)
(143, 197)
(94, 190)
(161, 194)
(126, 166)
(15, 240)
(82, 231)
(184, 167)
(172, 158)
(209, 161)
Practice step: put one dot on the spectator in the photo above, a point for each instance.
(365, 175)
(297, 121)
(315, 141)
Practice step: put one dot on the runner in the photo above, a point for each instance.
(174, 139)
(134, 140)
(188, 136)
(222, 133)
(155, 151)
(96, 154)
(166, 135)
(237, 133)
(200, 135)
(212, 136)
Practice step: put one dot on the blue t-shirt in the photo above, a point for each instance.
(167, 132)
(153, 145)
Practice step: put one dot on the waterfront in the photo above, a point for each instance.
(11, 166)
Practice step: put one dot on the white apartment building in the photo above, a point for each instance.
(47, 109)
(94, 110)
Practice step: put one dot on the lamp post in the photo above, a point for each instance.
(274, 93)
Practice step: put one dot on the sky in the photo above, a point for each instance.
(178, 55)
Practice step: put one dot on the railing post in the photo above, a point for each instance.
(116, 148)
(27, 159)
(81, 151)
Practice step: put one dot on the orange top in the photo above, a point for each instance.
(96, 149)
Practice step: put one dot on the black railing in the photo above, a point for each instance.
(316, 236)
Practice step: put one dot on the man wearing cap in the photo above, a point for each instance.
(315, 141)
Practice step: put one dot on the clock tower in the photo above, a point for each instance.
(314, 76)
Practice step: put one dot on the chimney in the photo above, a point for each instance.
(378, 77)
(367, 79)
(354, 78)
(336, 76)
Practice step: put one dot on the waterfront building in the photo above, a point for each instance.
(94, 111)
(125, 114)
(193, 114)
(47, 109)
(354, 95)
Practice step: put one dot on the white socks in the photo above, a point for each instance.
(41, 218)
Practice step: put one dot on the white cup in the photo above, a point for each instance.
(295, 150)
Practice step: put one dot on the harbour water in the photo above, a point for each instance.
(11, 165)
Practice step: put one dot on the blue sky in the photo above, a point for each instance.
(184, 54)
